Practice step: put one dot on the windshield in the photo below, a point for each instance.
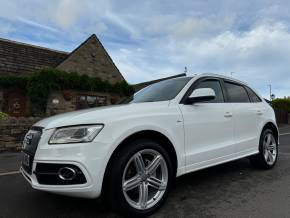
(162, 91)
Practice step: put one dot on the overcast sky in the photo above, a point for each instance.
(150, 39)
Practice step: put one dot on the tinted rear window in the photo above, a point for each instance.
(236, 93)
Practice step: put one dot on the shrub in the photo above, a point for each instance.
(3, 115)
(282, 104)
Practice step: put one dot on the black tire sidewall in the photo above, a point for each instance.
(116, 174)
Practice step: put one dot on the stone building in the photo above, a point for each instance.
(20, 59)
(89, 58)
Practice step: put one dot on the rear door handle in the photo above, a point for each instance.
(228, 114)
(259, 112)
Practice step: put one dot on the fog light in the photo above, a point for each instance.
(67, 173)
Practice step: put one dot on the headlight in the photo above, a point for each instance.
(75, 134)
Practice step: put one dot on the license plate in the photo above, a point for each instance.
(26, 160)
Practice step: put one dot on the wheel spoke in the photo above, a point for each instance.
(156, 183)
(271, 147)
(266, 155)
(132, 183)
(154, 164)
(139, 163)
(268, 140)
(143, 195)
(271, 158)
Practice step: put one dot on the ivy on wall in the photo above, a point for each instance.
(3, 115)
(13, 81)
(41, 83)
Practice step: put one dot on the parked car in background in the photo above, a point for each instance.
(130, 154)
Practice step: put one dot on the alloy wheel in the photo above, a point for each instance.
(270, 149)
(145, 179)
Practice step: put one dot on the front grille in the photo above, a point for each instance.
(48, 174)
(30, 144)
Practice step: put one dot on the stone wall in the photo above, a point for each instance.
(13, 130)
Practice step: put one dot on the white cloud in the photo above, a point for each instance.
(154, 38)
(67, 12)
(38, 25)
(258, 56)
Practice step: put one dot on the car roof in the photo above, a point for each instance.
(218, 76)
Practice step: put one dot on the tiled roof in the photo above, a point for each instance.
(19, 58)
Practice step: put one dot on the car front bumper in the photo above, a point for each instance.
(89, 158)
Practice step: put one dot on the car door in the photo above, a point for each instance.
(245, 117)
(208, 127)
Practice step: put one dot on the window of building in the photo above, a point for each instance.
(88, 101)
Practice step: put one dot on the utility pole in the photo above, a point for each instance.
(232, 74)
(270, 86)
(185, 70)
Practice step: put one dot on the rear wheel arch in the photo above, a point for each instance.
(145, 134)
(272, 127)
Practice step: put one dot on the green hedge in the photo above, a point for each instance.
(40, 84)
(282, 104)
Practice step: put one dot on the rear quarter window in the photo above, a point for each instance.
(253, 96)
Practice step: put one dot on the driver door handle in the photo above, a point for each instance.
(228, 114)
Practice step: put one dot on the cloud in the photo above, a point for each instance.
(258, 56)
(67, 12)
(38, 25)
(154, 38)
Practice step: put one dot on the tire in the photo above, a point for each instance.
(134, 162)
(268, 151)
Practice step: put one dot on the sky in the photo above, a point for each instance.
(150, 39)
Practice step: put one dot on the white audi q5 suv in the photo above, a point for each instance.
(129, 154)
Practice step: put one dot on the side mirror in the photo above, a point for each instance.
(201, 95)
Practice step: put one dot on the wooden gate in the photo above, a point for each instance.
(15, 103)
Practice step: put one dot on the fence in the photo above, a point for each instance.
(282, 116)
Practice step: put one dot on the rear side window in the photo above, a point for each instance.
(216, 86)
(253, 96)
(236, 93)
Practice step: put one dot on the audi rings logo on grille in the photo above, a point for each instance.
(27, 139)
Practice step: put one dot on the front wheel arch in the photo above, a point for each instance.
(145, 134)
